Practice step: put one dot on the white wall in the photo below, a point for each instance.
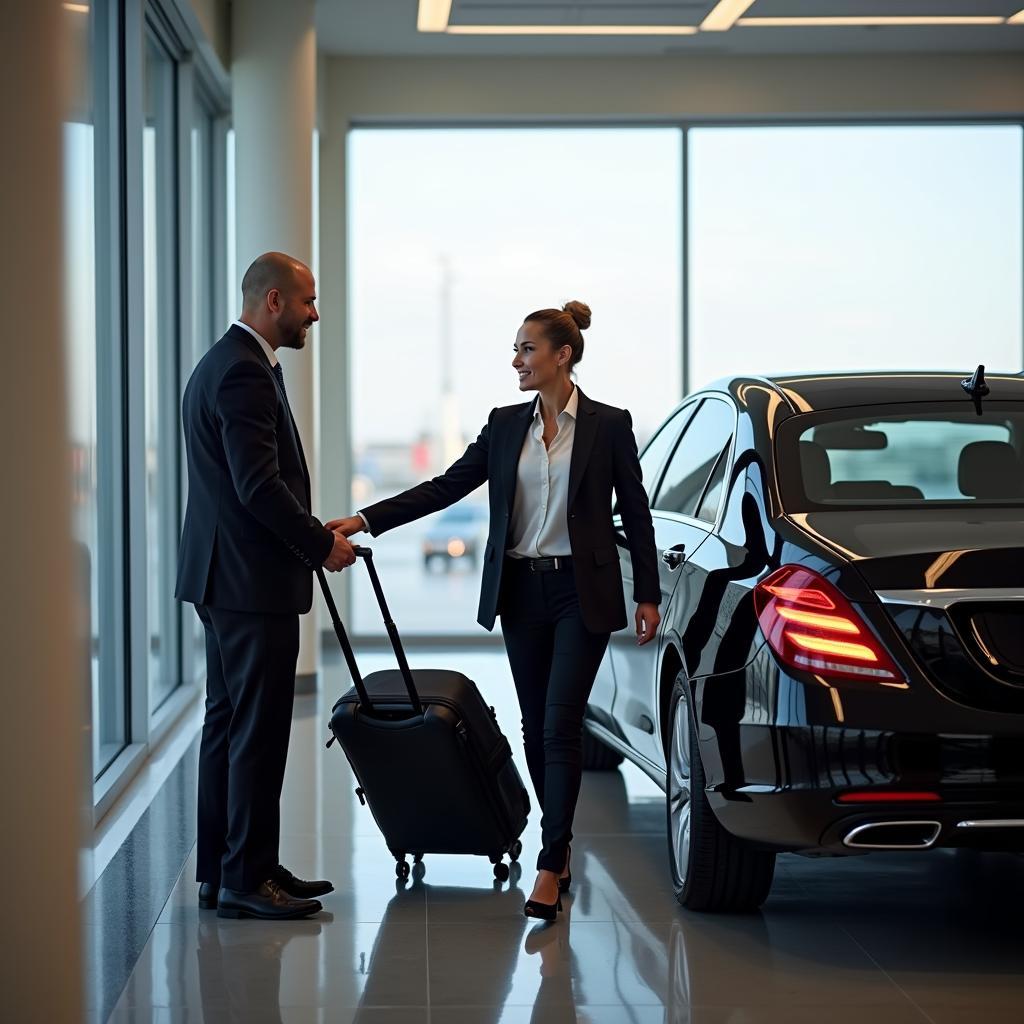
(41, 729)
(673, 87)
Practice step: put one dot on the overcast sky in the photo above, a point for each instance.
(810, 249)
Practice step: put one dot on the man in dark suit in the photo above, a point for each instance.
(249, 546)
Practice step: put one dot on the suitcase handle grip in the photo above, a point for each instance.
(346, 646)
(396, 641)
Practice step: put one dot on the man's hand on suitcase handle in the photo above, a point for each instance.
(341, 555)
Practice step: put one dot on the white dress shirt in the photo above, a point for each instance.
(540, 513)
(264, 344)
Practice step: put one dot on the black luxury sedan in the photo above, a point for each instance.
(841, 662)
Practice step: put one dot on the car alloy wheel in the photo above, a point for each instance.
(712, 870)
(678, 790)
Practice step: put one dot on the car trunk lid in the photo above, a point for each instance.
(952, 582)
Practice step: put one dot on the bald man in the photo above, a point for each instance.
(249, 547)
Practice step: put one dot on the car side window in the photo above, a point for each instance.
(709, 505)
(694, 458)
(656, 452)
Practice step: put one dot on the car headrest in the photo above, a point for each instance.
(815, 469)
(989, 469)
(875, 490)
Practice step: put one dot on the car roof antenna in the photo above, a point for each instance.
(976, 387)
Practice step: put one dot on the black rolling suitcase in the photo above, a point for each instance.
(428, 756)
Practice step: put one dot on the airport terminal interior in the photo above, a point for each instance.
(749, 195)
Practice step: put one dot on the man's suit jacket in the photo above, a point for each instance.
(604, 457)
(249, 543)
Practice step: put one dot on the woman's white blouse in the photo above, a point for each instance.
(540, 514)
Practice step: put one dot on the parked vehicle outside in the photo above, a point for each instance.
(456, 537)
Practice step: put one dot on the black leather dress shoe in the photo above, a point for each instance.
(208, 895)
(269, 902)
(299, 888)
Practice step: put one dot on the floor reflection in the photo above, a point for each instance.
(929, 939)
(239, 969)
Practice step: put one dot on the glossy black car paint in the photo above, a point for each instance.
(779, 747)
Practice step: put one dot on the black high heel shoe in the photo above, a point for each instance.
(542, 911)
(564, 883)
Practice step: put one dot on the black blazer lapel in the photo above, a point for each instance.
(512, 449)
(582, 443)
(298, 440)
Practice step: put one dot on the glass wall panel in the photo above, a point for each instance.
(234, 295)
(864, 247)
(455, 236)
(161, 371)
(203, 329)
(91, 357)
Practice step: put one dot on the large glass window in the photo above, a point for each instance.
(204, 329)
(127, 347)
(160, 155)
(455, 236)
(92, 358)
(233, 297)
(858, 247)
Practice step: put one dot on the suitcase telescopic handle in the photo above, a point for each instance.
(396, 641)
(346, 647)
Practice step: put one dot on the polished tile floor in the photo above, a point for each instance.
(882, 940)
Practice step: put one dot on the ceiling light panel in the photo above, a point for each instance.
(723, 15)
(433, 15)
(883, 10)
(867, 21)
(602, 17)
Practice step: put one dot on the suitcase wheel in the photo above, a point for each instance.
(501, 871)
(402, 869)
(515, 850)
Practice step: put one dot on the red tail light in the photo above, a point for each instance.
(891, 796)
(811, 627)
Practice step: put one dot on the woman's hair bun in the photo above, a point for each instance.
(580, 312)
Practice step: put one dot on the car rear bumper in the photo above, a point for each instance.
(788, 785)
(778, 753)
(812, 822)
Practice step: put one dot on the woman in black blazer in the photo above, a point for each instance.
(551, 568)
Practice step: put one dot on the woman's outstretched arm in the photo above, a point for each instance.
(462, 477)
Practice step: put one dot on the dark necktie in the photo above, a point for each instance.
(279, 374)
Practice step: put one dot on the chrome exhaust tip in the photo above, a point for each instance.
(893, 835)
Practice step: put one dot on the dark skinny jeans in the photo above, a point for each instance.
(554, 660)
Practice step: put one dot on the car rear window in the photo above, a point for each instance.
(915, 456)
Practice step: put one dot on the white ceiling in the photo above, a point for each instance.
(388, 28)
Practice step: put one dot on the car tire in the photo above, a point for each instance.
(711, 869)
(597, 757)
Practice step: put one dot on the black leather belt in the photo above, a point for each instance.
(553, 564)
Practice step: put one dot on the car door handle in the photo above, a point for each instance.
(674, 556)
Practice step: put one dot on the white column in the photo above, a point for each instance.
(43, 717)
(273, 73)
(335, 420)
